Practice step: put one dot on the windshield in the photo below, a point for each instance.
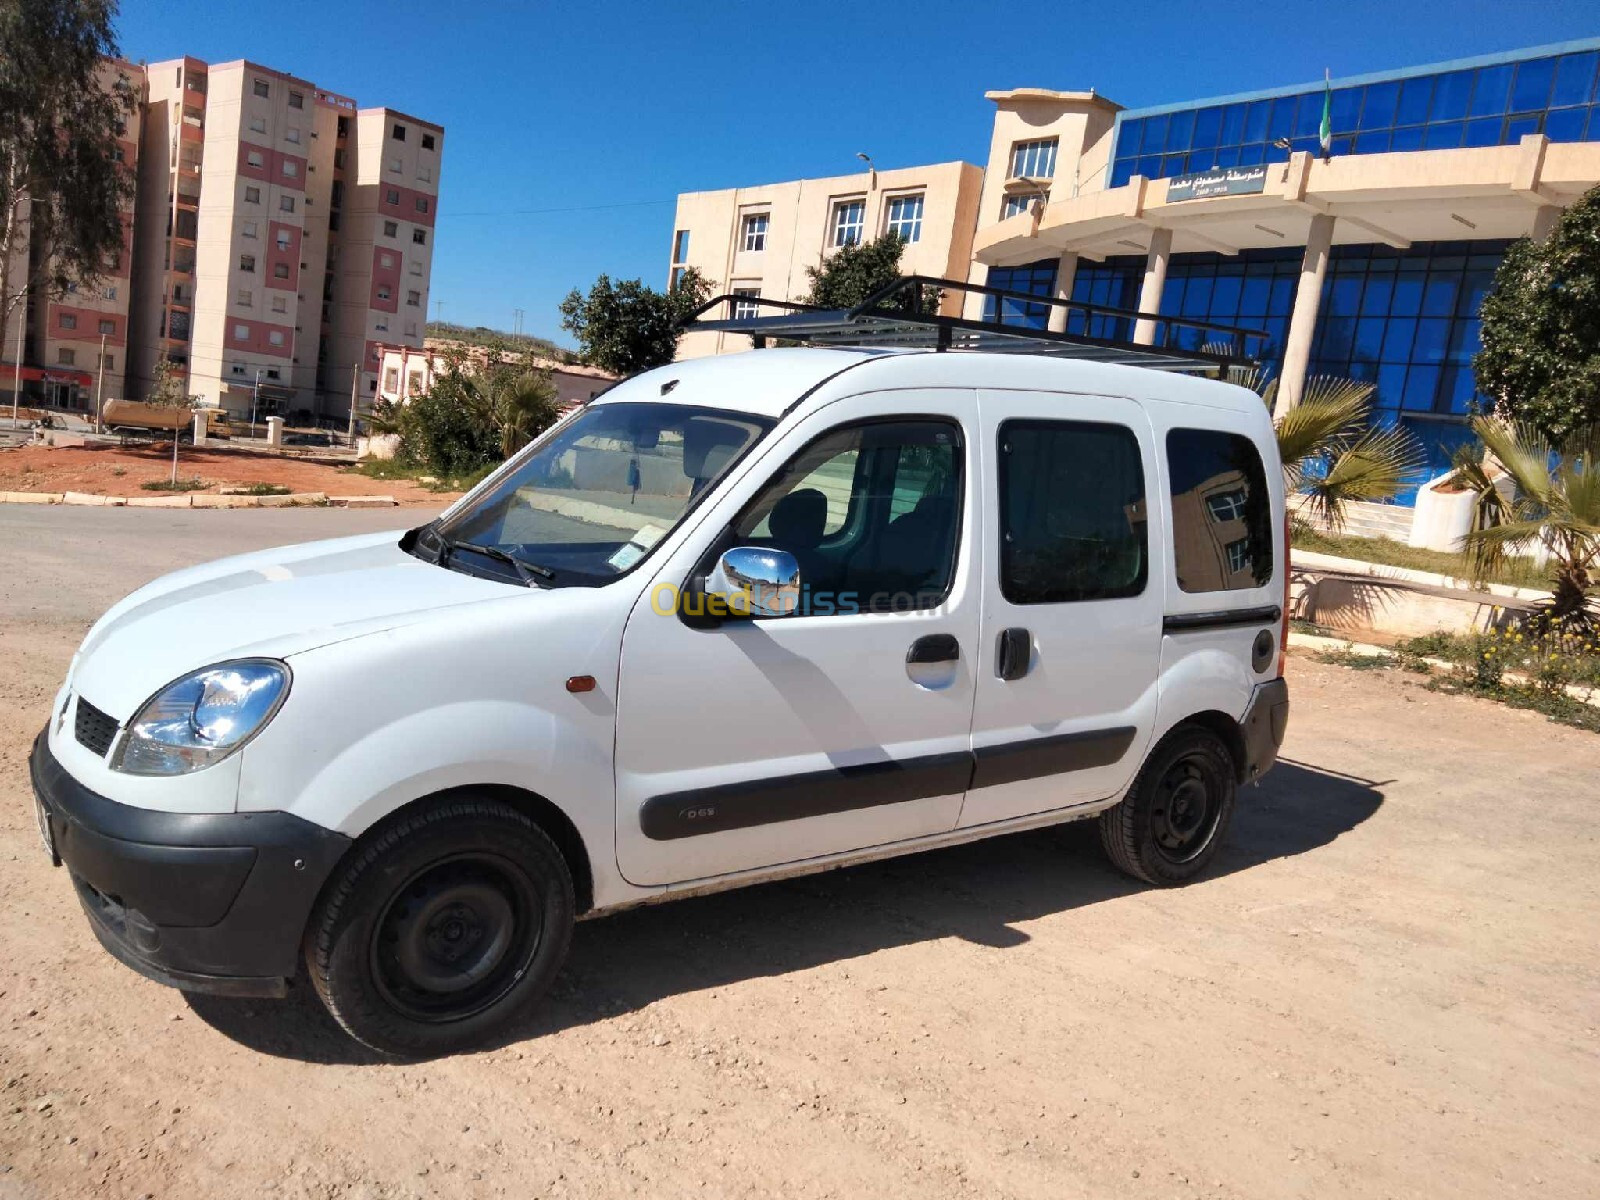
(595, 496)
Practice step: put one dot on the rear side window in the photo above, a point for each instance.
(1221, 514)
(1072, 512)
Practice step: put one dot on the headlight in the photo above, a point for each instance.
(202, 718)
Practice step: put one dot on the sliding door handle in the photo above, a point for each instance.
(1013, 653)
(934, 648)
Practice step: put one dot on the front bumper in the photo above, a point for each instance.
(207, 902)
(1263, 727)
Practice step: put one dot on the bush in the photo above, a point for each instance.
(473, 417)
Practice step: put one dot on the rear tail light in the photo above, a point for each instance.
(1283, 632)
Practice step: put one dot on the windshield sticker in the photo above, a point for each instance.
(626, 557)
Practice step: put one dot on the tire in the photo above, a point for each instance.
(441, 927)
(1169, 826)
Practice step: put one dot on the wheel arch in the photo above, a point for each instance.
(1226, 728)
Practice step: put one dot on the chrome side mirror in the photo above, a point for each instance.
(754, 582)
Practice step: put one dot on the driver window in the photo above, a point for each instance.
(871, 512)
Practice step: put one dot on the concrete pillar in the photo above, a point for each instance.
(199, 429)
(1544, 221)
(275, 431)
(1066, 271)
(1303, 324)
(1155, 278)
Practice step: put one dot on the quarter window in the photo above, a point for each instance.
(1072, 512)
(1221, 511)
(849, 221)
(905, 218)
(872, 514)
(755, 232)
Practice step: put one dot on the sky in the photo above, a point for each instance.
(570, 128)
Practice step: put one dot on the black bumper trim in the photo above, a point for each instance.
(1263, 727)
(212, 902)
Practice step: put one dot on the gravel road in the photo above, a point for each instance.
(1388, 987)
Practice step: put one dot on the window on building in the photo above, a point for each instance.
(1017, 203)
(414, 382)
(261, 88)
(108, 361)
(391, 379)
(292, 135)
(849, 222)
(754, 238)
(342, 128)
(425, 174)
(255, 158)
(398, 133)
(386, 261)
(272, 372)
(110, 293)
(391, 229)
(1072, 512)
(286, 203)
(394, 166)
(291, 169)
(275, 337)
(381, 325)
(258, 124)
(109, 328)
(384, 292)
(66, 357)
(675, 278)
(419, 236)
(285, 239)
(745, 309)
(411, 329)
(413, 298)
(245, 298)
(247, 262)
(280, 270)
(890, 538)
(427, 141)
(241, 333)
(905, 217)
(421, 203)
(249, 229)
(280, 304)
(238, 368)
(680, 246)
(1034, 159)
(1221, 513)
(252, 195)
(416, 268)
(391, 196)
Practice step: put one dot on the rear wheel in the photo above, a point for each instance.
(1168, 828)
(441, 928)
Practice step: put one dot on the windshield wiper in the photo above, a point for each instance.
(529, 572)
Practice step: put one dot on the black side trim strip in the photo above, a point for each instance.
(765, 801)
(1057, 755)
(1267, 614)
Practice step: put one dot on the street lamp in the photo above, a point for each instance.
(1041, 192)
(872, 171)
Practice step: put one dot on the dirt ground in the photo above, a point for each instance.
(1388, 987)
(111, 470)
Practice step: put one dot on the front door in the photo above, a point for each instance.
(1066, 690)
(781, 739)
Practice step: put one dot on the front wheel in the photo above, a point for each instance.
(441, 928)
(1169, 826)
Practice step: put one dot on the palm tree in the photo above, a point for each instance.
(1554, 503)
(519, 402)
(1332, 451)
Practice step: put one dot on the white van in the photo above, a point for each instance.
(739, 618)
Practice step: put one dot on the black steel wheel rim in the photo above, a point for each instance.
(456, 937)
(1186, 808)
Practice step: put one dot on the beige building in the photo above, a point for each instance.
(281, 233)
(406, 371)
(758, 241)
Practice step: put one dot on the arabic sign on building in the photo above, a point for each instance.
(1224, 181)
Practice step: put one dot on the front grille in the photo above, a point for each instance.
(94, 729)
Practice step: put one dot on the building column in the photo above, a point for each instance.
(1066, 271)
(1155, 278)
(1544, 221)
(1303, 322)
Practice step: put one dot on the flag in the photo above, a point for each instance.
(1325, 130)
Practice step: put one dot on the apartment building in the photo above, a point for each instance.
(757, 242)
(405, 371)
(280, 230)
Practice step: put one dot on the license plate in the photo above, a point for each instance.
(47, 835)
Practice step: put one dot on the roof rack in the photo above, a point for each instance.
(903, 315)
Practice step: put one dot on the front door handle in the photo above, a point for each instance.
(934, 648)
(1014, 653)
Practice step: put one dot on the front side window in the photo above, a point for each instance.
(1034, 160)
(1072, 512)
(871, 512)
(755, 233)
(1221, 511)
(592, 499)
(849, 221)
(905, 218)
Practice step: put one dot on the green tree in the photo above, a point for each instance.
(474, 414)
(1541, 327)
(61, 186)
(1553, 502)
(626, 327)
(1333, 452)
(166, 389)
(852, 273)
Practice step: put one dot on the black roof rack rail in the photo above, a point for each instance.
(894, 317)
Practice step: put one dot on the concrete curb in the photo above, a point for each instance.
(201, 500)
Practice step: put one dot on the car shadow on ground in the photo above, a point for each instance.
(978, 892)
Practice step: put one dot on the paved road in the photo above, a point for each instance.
(1387, 987)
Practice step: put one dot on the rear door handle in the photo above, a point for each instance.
(934, 648)
(1013, 653)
